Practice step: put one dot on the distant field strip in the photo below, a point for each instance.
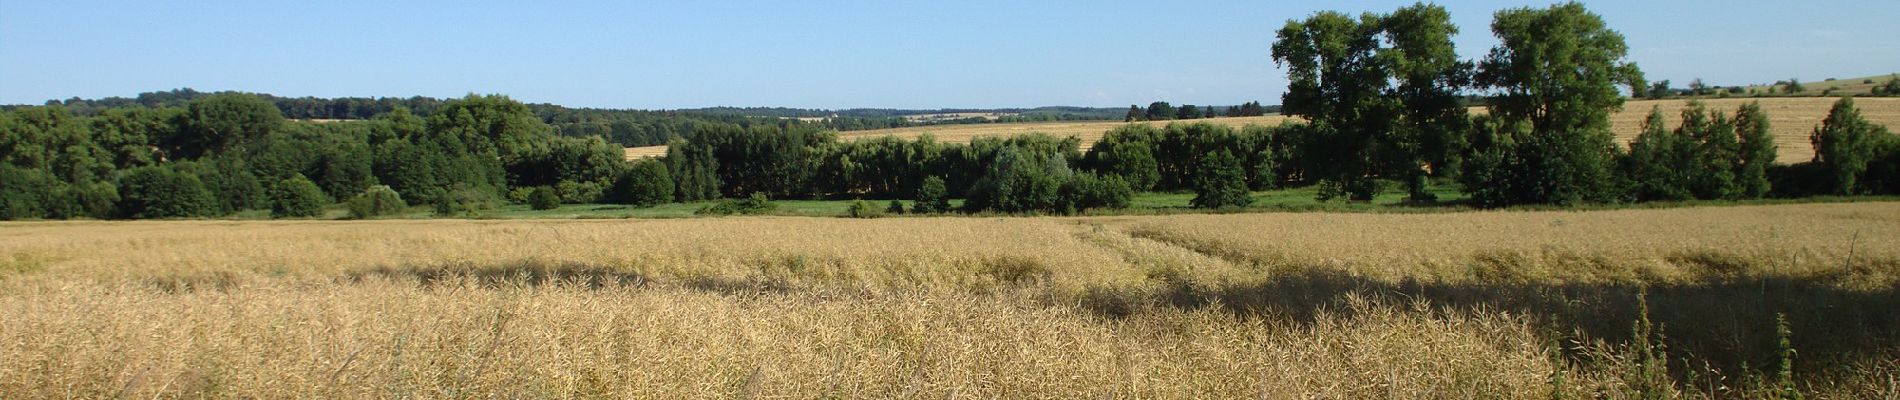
(1791, 120)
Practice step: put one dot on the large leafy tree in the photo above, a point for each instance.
(1423, 61)
(1380, 90)
(1556, 71)
(1336, 81)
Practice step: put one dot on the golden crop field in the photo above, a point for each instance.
(1791, 120)
(1461, 305)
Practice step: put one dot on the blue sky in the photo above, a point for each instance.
(825, 54)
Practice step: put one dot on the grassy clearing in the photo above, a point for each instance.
(1443, 305)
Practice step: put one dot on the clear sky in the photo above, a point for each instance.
(828, 54)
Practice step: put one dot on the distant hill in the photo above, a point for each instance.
(1859, 86)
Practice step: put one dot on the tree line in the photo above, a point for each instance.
(1381, 92)
(231, 152)
(1162, 111)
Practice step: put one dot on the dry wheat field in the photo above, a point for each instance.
(1513, 304)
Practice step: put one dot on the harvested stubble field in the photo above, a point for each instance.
(1457, 305)
(1791, 120)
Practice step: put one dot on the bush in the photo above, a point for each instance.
(932, 197)
(579, 192)
(1021, 181)
(646, 184)
(520, 195)
(896, 207)
(297, 197)
(757, 204)
(162, 192)
(1220, 182)
(862, 209)
(1088, 191)
(374, 202)
(544, 198)
(462, 200)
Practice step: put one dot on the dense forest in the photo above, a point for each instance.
(1384, 95)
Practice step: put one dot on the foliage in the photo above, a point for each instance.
(1159, 111)
(224, 122)
(544, 198)
(297, 197)
(1342, 72)
(1021, 181)
(1756, 151)
(163, 192)
(1844, 144)
(1890, 88)
(231, 183)
(932, 197)
(863, 209)
(1087, 191)
(645, 184)
(1659, 164)
(25, 193)
(755, 204)
(461, 200)
(379, 200)
(1220, 183)
(580, 192)
(1551, 142)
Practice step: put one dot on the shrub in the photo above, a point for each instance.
(862, 209)
(932, 197)
(520, 195)
(162, 192)
(1220, 183)
(462, 200)
(1020, 181)
(757, 204)
(544, 198)
(579, 192)
(1088, 191)
(646, 184)
(297, 196)
(896, 207)
(374, 202)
